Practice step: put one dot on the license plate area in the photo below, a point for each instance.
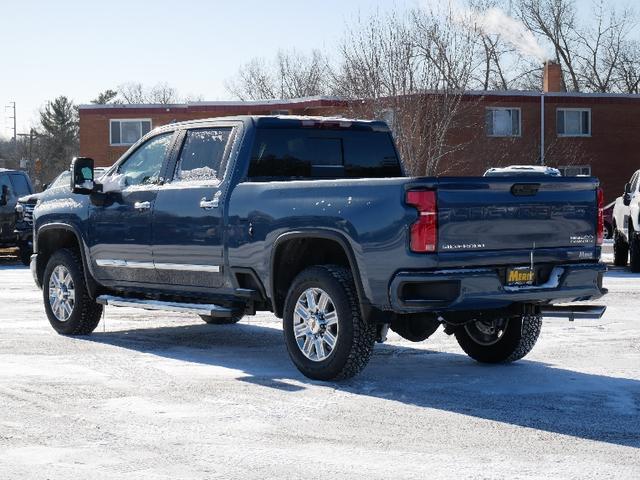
(520, 276)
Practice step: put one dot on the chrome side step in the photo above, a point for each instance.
(572, 312)
(197, 308)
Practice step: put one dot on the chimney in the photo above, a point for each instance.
(552, 77)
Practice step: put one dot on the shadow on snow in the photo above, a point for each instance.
(527, 393)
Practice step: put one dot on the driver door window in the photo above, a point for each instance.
(144, 165)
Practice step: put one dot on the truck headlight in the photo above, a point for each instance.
(19, 208)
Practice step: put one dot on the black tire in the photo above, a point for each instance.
(25, 253)
(620, 249)
(518, 338)
(355, 338)
(85, 312)
(221, 320)
(634, 251)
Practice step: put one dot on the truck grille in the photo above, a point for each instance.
(27, 213)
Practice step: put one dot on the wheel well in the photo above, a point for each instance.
(52, 240)
(294, 255)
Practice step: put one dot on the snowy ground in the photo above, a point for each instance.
(165, 396)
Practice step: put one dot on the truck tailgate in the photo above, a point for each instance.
(516, 213)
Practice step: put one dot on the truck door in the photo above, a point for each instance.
(188, 222)
(7, 209)
(120, 230)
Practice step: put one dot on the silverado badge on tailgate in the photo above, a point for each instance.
(520, 276)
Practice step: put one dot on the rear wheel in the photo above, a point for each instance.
(499, 340)
(620, 249)
(324, 331)
(70, 309)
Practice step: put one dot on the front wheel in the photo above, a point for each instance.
(499, 340)
(324, 331)
(620, 249)
(634, 251)
(70, 309)
(25, 253)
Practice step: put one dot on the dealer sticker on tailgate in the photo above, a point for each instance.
(520, 276)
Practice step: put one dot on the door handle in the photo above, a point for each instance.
(209, 204)
(141, 206)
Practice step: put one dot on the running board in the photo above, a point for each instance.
(573, 311)
(197, 308)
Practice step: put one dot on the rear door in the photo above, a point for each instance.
(188, 227)
(120, 230)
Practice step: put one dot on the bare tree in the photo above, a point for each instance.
(136, 92)
(291, 75)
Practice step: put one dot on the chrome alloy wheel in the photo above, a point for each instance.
(62, 293)
(315, 324)
(487, 332)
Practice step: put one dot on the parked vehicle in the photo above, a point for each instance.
(626, 226)
(314, 220)
(532, 170)
(608, 220)
(24, 212)
(13, 184)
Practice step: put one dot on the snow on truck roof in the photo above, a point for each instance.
(292, 120)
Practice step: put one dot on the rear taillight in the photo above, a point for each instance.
(424, 232)
(600, 230)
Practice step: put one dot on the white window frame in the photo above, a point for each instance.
(127, 120)
(574, 135)
(493, 135)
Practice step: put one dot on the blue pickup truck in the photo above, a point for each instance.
(314, 220)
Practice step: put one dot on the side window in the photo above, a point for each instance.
(313, 153)
(203, 154)
(20, 185)
(143, 166)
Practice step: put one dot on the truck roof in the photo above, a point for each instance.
(289, 121)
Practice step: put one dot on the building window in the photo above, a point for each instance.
(503, 122)
(573, 122)
(575, 170)
(129, 131)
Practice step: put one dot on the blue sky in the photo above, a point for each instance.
(79, 48)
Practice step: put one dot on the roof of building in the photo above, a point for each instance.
(334, 100)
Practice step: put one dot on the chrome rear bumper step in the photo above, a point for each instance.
(573, 311)
(197, 308)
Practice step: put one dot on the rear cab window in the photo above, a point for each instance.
(314, 153)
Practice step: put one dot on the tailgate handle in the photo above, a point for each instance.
(525, 189)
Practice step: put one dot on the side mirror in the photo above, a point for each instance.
(4, 197)
(82, 175)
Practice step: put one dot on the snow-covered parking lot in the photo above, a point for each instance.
(165, 396)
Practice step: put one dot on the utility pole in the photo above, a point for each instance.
(15, 137)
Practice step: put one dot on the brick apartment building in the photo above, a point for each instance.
(584, 133)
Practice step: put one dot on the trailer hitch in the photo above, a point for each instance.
(572, 312)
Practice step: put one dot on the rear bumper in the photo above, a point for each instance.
(482, 288)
